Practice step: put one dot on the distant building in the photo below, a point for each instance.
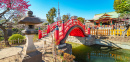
(109, 18)
(44, 20)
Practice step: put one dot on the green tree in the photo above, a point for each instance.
(81, 19)
(51, 15)
(123, 7)
(116, 3)
(65, 17)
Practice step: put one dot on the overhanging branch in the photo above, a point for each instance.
(1, 14)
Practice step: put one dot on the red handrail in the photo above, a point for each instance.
(67, 25)
(52, 27)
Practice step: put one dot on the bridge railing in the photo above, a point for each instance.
(50, 28)
(68, 25)
(53, 26)
(65, 27)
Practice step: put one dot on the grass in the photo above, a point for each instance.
(35, 39)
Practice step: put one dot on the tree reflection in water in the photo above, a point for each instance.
(98, 53)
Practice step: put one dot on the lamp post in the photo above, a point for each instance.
(29, 52)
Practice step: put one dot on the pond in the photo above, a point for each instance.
(99, 53)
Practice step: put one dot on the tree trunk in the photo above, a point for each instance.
(127, 27)
(5, 35)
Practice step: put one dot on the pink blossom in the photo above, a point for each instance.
(19, 5)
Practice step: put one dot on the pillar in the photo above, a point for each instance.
(57, 35)
(63, 28)
(48, 28)
(39, 33)
(29, 44)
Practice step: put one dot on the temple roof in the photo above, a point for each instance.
(109, 14)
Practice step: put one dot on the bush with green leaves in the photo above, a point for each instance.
(16, 37)
(45, 23)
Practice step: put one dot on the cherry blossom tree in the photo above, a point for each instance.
(10, 9)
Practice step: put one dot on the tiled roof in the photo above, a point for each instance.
(112, 15)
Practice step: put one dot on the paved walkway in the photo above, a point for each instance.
(14, 50)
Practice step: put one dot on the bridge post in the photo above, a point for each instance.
(84, 26)
(39, 33)
(57, 35)
(48, 28)
(63, 27)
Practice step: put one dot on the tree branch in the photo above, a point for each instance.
(10, 17)
(1, 14)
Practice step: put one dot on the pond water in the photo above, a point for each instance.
(99, 53)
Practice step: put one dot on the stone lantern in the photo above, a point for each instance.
(9, 28)
(30, 53)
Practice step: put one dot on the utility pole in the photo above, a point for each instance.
(58, 13)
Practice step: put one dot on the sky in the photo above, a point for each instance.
(81, 8)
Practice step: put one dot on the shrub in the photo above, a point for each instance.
(45, 23)
(68, 58)
(15, 37)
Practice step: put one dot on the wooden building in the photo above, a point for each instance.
(109, 18)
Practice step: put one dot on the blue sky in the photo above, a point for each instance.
(81, 8)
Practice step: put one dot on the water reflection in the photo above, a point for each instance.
(98, 53)
(108, 57)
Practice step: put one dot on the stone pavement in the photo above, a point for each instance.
(6, 52)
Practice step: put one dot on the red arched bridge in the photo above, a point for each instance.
(71, 27)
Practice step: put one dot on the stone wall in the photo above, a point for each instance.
(91, 41)
(117, 44)
(67, 48)
(81, 40)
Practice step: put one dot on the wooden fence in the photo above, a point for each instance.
(17, 42)
(119, 32)
(115, 32)
(100, 31)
